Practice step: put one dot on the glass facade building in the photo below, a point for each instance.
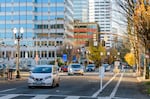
(101, 12)
(81, 9)
(46, 24)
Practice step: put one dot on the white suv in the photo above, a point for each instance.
(44, 75)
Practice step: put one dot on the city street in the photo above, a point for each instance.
(115, 86)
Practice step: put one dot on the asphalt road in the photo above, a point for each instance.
(115, 86)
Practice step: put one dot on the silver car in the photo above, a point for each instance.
(75, 68)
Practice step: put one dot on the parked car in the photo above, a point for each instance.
(44, 75)
(75, 68)
(90, 67)
(64, 68)
(2, 69)
(107, 67)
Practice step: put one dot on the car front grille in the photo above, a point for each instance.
(38, 79)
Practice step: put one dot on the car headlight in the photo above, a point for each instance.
(31, 77)
(70, 69)
(47, 77)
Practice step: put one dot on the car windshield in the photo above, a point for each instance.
(76, 66)
(90, 66)
(42, 70)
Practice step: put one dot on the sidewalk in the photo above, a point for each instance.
(142, 79)
(24, 76)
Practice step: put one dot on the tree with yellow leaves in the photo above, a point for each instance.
(130, 59)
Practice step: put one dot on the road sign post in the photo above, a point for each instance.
(101, 75)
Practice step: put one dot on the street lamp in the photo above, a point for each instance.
(108, 53)
(18, 36)
(69, 49)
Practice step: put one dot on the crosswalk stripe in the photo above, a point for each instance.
(9, 96)
(104, 98)
(40, 97)
(72, 97)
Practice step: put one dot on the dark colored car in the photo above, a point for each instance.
(64, 68)
(90, 67)
(2, 69)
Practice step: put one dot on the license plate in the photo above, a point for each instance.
(38, 82)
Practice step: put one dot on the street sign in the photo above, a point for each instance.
(64, 57)
(101, 72)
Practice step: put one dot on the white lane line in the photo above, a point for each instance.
(8, 90)
(96, 93)
(104, 98)
(72, 97)
(9, 96)
(40, 97)
(116, 87)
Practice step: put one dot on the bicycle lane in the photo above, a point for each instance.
(108, 90)
(130, 88)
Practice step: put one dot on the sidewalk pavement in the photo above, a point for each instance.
(24, 76)
(142, 79)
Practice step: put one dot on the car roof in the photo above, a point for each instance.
(44, 65)
(91, 64)
(75, 64)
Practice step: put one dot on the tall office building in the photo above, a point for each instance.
(45, 22)
(101, 12)
(81, 10)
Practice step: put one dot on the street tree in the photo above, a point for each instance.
(137, 14)
(95, 53)
(130, 59)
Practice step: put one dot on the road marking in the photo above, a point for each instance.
(45, 96)
(8, 90)
(104, 98)
(9, 96)
(72, 97)
(96, 93)
(40, 97)
(116, 87)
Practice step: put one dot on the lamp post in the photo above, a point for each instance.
(87, 53)
(69, 48)
(108, 54)
(18, 36)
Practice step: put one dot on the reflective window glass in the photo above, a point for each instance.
(53, 9)
(2, 26)
(2, 17)
(56, 0)
(9, 35)
(9, 26)
(8, 9)
(42, 9)
(2, 1)
(29, 17)
(42, 17)
(29, 35)
(24, 0)
(2, 35)
(29, 8)
(41, 1)
(2, 9)
(52, 17)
